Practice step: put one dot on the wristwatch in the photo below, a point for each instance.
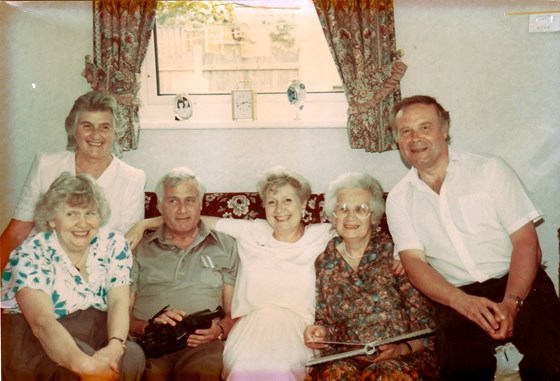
(517, 299)
(221, 337)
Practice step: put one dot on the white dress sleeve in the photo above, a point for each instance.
(132, 202)
(124, 190)
(30, 193)
(233, 227)
(45, 169)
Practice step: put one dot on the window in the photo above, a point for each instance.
(209, 48)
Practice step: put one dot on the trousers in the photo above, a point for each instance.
(23, 357)
(466, 352)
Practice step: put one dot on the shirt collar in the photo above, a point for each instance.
(412, 176)
(158, 236)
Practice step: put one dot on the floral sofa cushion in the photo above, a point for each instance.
(244, 205)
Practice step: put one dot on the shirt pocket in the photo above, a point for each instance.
(478, 211)
(211, 270)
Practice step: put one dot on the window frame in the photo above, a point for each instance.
(321, 109)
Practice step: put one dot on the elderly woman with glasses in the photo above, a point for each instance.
(359, 298)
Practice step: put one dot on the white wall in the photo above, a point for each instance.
(500, 83)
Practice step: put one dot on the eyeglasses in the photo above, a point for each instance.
(361, 211)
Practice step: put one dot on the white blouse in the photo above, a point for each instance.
(122, 184)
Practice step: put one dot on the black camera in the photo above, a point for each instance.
(160, 339)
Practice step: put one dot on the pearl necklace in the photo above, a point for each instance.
(345, 253)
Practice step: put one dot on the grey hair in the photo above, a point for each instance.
(176, 175)
(352, 180)
(279, 176)
(95, 101)
(444, 119)
(79, 191)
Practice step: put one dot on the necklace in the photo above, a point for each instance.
(78, 265)
(345, 253)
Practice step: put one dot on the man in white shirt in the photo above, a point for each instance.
(463, 225)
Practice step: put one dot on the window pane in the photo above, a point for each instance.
(212, 47)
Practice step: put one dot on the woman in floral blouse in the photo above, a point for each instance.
(66, 293)
(359, 299)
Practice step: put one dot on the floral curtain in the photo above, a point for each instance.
(121, 32)
(361, 37)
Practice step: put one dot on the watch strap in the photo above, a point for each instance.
(517, 299)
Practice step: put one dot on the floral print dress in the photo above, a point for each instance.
(40, 263)
(368, 304)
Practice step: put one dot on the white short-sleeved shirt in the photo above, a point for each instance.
(465, 230)
(122, 184)
(40, 263)
(275, 274)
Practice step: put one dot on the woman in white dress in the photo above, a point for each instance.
(94, 127)
(274, 292)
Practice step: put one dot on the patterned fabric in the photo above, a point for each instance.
(121, 32)
(361, 38)
(247, 206)
(40, 263)
(370, 304)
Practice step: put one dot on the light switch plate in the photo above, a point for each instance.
(545, 22)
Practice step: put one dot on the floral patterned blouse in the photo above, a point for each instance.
(368, 304)
(41, 263)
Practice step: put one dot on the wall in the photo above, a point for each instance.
(500, 83)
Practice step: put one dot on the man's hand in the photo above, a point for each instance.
(170, 317)
(203, 336)
(510, 310)
(487, 314)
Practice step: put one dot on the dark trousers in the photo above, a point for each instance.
(23, 357)
(202, 363)
(466, 352)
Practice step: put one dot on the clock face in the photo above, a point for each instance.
(242, 104)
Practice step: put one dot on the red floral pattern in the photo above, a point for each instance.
(121, 32)
(361, 37)
(241, 205)
(368, 304)
(246, 205)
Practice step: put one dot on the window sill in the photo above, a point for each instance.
(161, 124)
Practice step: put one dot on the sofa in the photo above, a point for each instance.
(246, 205)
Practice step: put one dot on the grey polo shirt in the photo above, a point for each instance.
(190, 280)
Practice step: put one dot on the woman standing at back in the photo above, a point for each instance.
(94, 127)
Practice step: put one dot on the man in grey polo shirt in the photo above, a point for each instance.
(190, 268)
